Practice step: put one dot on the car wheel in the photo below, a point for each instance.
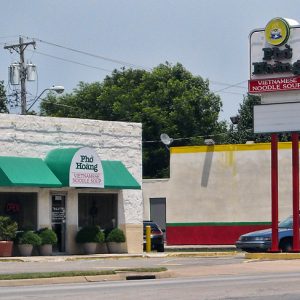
(250, 250)
(160, 248)
(286, 245)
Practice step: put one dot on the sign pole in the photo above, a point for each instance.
(274, 191)
(295, 163)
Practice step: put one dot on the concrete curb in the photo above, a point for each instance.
(67, 258)
(82, 279)
(272, 256)
(201, 254)
(116, 256)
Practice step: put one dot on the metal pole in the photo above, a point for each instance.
(20, 48)
(148, 238)
(23, 77)
(295, 163)
(274, 190)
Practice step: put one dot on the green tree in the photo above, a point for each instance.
(3, 99)
(168, 99)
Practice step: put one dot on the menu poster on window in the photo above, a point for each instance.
(58, 214)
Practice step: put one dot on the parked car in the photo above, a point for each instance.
(157, 236)
(261, 241)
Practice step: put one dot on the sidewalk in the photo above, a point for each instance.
(61, 258)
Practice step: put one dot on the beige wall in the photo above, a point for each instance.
(225, 183)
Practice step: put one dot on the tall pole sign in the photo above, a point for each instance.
(274, 191)
(275, 75)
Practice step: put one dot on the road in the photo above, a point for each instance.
(254, 287)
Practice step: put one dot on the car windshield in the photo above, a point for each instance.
(154, 227)
(287, 223)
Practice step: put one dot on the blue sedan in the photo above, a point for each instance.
(261, 241)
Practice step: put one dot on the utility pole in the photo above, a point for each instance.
(20, 48)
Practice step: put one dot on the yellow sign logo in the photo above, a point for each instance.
(277, 31)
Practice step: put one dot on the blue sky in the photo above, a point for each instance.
(210, 38)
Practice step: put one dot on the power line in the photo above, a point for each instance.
(227, 84)
(234, 93)
(71, 61)
(196, 136)
(59, 104)
(230, 86)
(107, 70)
(9, 36)
(90, 54)
(236, 85)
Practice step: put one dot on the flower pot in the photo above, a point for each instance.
(25, 249)
(6, 248)
(102, 248)
(89, 248)
(46, 250)
(114, 247)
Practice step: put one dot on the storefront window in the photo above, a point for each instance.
(21, 207)
(98, 209)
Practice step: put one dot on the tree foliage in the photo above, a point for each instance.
(3, 98)
(168, 99)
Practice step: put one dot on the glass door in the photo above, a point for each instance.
(58, 216)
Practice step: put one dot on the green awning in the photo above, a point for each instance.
(116, 175)
(59, 161)
(25, 171)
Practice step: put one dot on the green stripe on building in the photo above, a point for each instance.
(219, 224)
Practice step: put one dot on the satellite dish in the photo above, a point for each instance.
(166, 139)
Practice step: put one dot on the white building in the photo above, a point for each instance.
(38, 158)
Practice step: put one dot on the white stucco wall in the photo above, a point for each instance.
(229, 183)
(34, 136)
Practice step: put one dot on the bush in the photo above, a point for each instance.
(29, 237)
(8, 228)
(48, 236)
(116, 235)
(90, 234)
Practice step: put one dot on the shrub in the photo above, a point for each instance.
(8, 228)
(48, 236)
(116, 235)
(90, 234)
(29, 237)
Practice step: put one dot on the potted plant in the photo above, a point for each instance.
(26, 240)
(90, 237)
(8, 229)
(48, 239)
(115, 241)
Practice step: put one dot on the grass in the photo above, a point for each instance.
(36, 275)
(53, 274)
(11, 260)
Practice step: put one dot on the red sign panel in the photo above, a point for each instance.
(258, 86)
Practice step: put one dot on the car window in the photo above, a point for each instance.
(287, 223)
(153, 226)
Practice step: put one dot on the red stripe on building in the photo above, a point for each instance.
(208, 234)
